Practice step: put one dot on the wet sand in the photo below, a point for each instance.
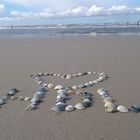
(119, 57)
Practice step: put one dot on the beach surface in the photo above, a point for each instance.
(119, 57)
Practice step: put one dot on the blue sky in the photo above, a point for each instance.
(25, 12)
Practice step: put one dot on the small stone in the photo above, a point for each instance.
(68, 77)
(86, 102)
(69, 108)
(79, 106)
(123, 109)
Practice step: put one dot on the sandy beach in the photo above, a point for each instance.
(117, 56)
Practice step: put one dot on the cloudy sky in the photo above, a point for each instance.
(20, 12)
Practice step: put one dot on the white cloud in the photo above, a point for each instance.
(78, 12)
(2, 7)
(94, 10)
(21, 14)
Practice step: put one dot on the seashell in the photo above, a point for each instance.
(134, 108)
(5, 98)
(103, 93)
(90, 72)
(2, 101)
(111, 109)
(27, 98)
(108, 99)
(100, 90)
(69, 108)
(86, 102)
(60, 106)
(81, 86)
(79, 92)
(58, 87)
(68, 77)
(79, 74)
(123, 109)
(109, 104)
(87, 84)
(71, 92)
(101, 74)
(31, 107)
(40, 74)
(95, 81)
(54, 74)
(62, 91)
(46, 74)
(21, 98)
(12, 92)
(13, 97)
(100, 79)
(79, 106)
(50, 85)
(40, 82)
(91, 82)
(74, 87)
(45, 85)
(104, 96)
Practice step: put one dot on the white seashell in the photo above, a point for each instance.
(103, 93)
(108, 99)
(100, 79)
(79, 74)
(95, 81)
(62, 91)
(2, 102)
(79, 106)
(68, 77)
(79, 92)
(27, 98)
(90, 72)
(13, 97)
(123, 109)
(40, 74)
(110, 107)
(91, 82)
(50, 85)
(21, 98)
(40, 82)
(109, 104)
(87, 84)
(102, 73)
(45, 85)
(69, 108)
(58, 87)
(31, 107)
(74, 87)
(100, 90)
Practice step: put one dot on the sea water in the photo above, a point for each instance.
(47, 31)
